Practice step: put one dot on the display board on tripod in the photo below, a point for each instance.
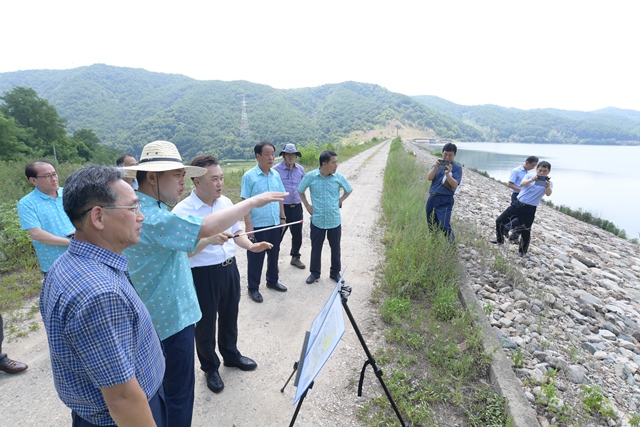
(326, 331)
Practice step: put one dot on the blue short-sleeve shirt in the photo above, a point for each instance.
(516, 176)
(532, 193)
(159, 267)
(39, 210)
(325, 197)
(99, 332)
(255, 182)
(437, 184)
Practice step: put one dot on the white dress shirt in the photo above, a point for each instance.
(212, 254)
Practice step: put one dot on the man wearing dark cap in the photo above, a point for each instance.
(292, 174)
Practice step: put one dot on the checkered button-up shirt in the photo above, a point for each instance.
(325, 197)
(100, 333)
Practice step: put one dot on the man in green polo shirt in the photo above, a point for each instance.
(324, 185)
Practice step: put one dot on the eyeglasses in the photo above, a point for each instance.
(135, 209)
(48, 176)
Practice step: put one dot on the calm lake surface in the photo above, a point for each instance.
(604, 180)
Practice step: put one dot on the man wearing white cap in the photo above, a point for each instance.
(291, 174)
(159, 264)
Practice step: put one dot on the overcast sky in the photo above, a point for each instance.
(578, 55)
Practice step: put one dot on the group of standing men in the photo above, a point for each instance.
(141, 285)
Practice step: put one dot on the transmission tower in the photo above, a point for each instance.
(244, 121)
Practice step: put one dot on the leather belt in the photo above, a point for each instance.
(293, 205)
(225, 263)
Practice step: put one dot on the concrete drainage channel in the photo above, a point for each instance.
(501, 374)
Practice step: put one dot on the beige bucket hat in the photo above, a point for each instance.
(160, 156)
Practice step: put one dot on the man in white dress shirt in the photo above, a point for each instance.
(216, 277)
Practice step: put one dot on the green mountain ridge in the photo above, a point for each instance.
(129, 107)
(500, 124)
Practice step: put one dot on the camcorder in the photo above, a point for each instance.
(542, 180)
(442, 165)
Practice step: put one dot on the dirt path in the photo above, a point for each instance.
(271, 333)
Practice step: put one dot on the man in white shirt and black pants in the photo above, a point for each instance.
(216, 277)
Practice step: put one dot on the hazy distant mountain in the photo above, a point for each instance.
(607, 126)
(129, 107)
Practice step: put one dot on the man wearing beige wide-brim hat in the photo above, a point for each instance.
(159, 264)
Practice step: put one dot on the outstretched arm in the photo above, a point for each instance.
(244, 242)
(219, 221)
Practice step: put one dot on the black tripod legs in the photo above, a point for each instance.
(370, 361)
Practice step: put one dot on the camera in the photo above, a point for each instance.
(542, 180)
(442, 165)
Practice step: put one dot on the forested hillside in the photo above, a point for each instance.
(90, 113)
(606, 126)
(126, 108)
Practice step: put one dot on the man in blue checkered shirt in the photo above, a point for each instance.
(106, 356)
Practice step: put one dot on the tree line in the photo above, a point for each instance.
(30, 127)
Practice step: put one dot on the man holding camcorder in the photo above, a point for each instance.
(445, 177)
(534, 186)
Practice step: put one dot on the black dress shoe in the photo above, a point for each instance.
(214, 382)
(243, 363)
(255, 296)
(335, 278)
(311, 279)
(496, 242)
(277, 287)
(13, 366)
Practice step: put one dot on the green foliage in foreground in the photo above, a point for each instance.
(434, 353)
(19, 270)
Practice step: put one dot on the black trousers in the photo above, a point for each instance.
(218, 289)
(317, 240)
(525, 214)
(255, 261)
(294, 213)
(514, 224)
(179, 376)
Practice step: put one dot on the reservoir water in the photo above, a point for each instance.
(604, 180)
